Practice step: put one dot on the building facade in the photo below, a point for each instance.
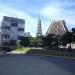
(57, 28)
(11, 30)
(27, 34)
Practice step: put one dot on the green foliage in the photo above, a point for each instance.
(73, 34)
(6, 48)
(73, 30)
(50, 41)
(33, 41)
(24, 41)
(50, 52)
(36, 41)
(66, 38)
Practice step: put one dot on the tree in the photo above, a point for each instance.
(5, 47)
(24, 41)
(63, 39)
(50, 40)
(73, 30)
(36, 41)
(33, 41)
(73, 34)
(66, 39)
(39, 41)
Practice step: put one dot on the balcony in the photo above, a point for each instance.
(21, 25)
(5, 23)
(4, 31)
(13, 37)
(21, 34)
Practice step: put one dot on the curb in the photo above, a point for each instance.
(53, 56)
(1, 54)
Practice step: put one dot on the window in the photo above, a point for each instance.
(20, 37)
(7, 27)
(13, 42)
(20, 29)
(14, 24)
(5, 36)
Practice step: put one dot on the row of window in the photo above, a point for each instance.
(19, 29)
(8, 36)
(6, 27)
(14, 24)
(5, 36)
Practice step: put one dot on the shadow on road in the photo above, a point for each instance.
(64, 63)
(67, 64)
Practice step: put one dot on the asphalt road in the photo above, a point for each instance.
(36, 65)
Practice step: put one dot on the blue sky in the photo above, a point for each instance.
(29, 10)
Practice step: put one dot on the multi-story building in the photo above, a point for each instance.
(27, 34)
(11, 30)
(57, 28)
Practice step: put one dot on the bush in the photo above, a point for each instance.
(6, 49)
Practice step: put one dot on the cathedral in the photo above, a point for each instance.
(57, 28)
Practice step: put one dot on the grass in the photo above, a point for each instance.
(29, 51)
(21, 50)
(51, 52)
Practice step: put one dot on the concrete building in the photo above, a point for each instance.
(57, 28)
(27, 34)
(11, 29)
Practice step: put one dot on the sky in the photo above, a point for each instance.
(49, 11)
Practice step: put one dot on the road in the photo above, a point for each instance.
(36, 65)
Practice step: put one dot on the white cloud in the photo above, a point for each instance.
(56, 11)
(50, 11)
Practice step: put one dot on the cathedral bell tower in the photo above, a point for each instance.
(39, 29)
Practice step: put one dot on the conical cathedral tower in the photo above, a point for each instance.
(57, 28)
(39, 28)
